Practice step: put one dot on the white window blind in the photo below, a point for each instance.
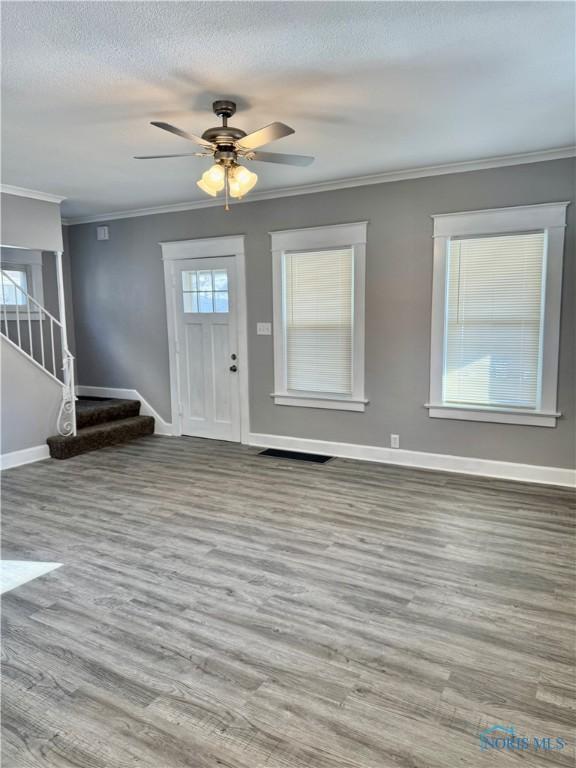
(318, 311)
(494, 311)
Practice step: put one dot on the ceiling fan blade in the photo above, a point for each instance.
(182, 134)
(159, 157)
(273, 157)
(265, 136)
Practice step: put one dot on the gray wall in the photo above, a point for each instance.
(28, 223)
(30, 402)
(120, 311)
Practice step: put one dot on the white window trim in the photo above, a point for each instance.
(332, 236)
(550, 217)
(31, 263)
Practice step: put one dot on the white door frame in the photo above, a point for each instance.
(208, 247)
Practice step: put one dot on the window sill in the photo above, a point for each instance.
(321, 401)
(493, 415)
(22, 315)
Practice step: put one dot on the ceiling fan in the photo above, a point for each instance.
(228, 145)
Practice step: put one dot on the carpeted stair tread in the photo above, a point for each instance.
(100, 436)
(99, 410)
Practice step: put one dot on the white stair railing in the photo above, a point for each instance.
(28, 326)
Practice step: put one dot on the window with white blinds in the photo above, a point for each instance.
(496, 302)
(319, 286)
(318, 310)
(494, 316)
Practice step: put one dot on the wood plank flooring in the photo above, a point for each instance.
(217, 609)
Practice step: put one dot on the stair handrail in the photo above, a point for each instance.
(66, 420)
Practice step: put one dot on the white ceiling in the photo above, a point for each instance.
(369, 88)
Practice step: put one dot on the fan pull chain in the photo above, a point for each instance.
(226, 207)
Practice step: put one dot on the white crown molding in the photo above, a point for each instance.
(505, 470)
(328, 186)
(33, 194)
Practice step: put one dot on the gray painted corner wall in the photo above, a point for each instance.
(30, 223)
(120, 314)
(30, 402)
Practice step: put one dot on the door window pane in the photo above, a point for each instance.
(205, 291)
(205, 302)
(189, 281)
(204, 281)
(220, 279)
(190, 302)
(221, 301)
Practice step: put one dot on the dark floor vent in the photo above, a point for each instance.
(278, 454)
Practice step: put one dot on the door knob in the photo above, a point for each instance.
(233, 368)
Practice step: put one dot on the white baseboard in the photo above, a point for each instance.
(25, 456)
(162, 427)
(527, 473)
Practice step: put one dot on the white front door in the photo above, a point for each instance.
(207, 347)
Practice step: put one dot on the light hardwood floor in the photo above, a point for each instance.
(217, 609)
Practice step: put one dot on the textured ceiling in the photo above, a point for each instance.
(369, 88)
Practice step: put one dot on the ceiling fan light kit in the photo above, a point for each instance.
(213, 180)
(227, 145)
(236, 179)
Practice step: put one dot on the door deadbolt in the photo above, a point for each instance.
(233, 356)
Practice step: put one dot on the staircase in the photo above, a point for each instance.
(28, 326)
(100, 423)
(84, 424)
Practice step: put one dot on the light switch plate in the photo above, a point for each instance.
(264, 329)
(102, 233)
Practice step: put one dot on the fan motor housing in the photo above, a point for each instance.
(223, 135)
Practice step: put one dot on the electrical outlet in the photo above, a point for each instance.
(394, 441)
(264, 329)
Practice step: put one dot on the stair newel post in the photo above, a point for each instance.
(67, 416)
(6, 331)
